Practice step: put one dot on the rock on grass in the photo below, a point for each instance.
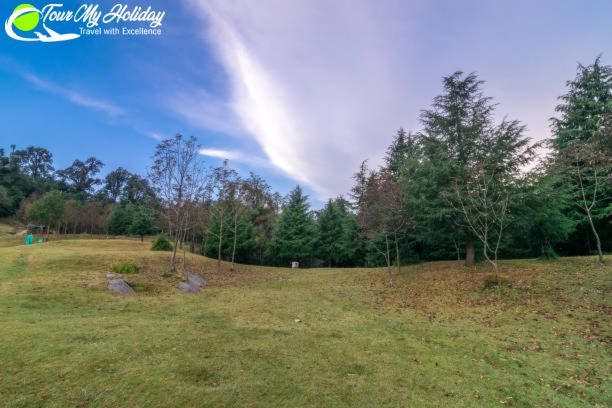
(193, 284)
(120, 286)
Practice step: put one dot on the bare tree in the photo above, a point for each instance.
(482, 196)
(239, 207)
(225, 180)
(588, 171)
(178, 177)
(202, 214)
(380, 216)
(483, 202)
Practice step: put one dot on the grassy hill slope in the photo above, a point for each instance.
(311, 337)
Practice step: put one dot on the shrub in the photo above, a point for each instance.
(126, 268)
(548, 254)
(120, 219)
(161, 243)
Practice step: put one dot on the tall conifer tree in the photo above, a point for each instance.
(295, 234)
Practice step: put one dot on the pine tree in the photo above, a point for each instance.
(337, 234)
(453, 135)
(295, 233)
(588, 99)
(121, 219)
(539, 216)
(581, 153)
(396, 152)
(244, 239)
(216, 231)
(142, 223)
(484, 197)
(402, 148)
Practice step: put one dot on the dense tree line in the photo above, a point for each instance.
(464, 186)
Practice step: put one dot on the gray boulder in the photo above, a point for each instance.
(195, 279)
(186, 287)
(120, 286)
(193, 284)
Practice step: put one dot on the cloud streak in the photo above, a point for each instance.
(237, 156)
(309, 93)
(323, 85)
(73, 96)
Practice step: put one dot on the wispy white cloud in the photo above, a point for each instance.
(237, 156)
(220, 154)
(315, 85)
(322, 85)
(73, 96)
(155, 136)
(79, 98)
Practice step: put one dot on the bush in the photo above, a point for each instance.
(161, 243)
(120, 220)
(548, 254)
(126, 268)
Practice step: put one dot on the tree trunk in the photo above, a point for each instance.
(235, 239)
(174, 248)
(141, 238)
(457, 250)
(494, 264)
(397, 256)
(220, 244)
(183, 246)
(597, 240)
(469, 253)
(388, 257)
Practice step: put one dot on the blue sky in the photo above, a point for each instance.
(296, 91)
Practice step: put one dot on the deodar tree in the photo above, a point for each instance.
(453, 130)
(588, 170)
(581, 146)
(263, 209)
(337, 234)
(542, 220)
(179, 179)
(295, 232)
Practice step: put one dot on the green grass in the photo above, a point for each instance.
(263, 337)
(125, 268)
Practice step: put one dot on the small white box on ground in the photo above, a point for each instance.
(295, 265)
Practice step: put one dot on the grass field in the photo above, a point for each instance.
(263, 337)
